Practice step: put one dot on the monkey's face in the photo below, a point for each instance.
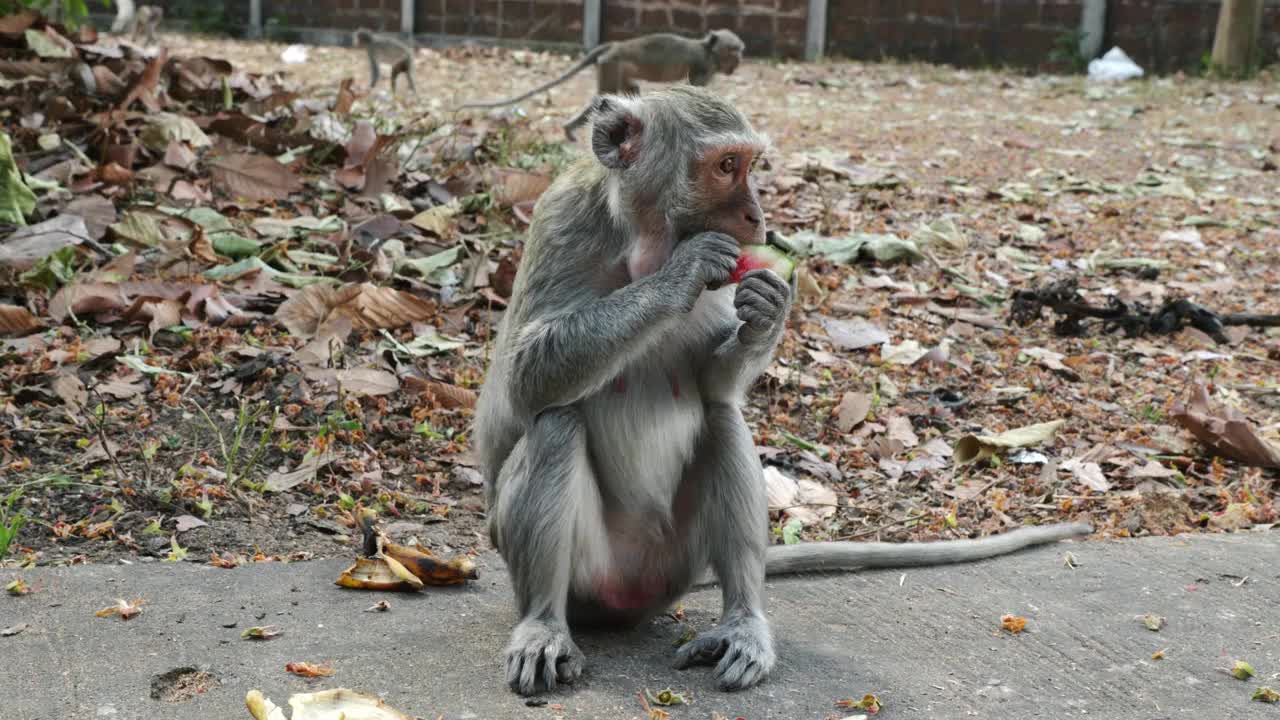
(728, 59)
(723, 176)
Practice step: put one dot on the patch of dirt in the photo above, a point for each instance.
(182, 684)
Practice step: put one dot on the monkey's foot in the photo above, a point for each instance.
(540, 655)
(741, 649)
(568, 133)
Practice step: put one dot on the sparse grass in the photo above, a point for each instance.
(231, 447)
(11, 520)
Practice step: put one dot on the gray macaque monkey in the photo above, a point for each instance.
(133, 20)
(618, 466)
(660, 57)
(385, 48)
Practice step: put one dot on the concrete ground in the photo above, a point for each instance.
(926, 641)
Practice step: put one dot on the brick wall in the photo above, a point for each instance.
(558, 21)
(1161, 35)
(768, 27)
(343, 14)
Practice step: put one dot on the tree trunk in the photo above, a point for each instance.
(1235, 43)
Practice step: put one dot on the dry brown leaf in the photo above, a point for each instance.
(445, 395)
(26, 246)
(853, 409)
(512, 187)
(1225, 431)
(367, 381)
(368, 306)
(16, 320)
(346, 97)
(179, 155)
(256, 177)
(144, 88)
(72, 391)
(900, 431)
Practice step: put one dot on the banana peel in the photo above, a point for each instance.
(391, 567)
(339, 704)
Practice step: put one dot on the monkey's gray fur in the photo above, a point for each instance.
(660, 57)
(618, 466)
(132, 20)
(386, 48)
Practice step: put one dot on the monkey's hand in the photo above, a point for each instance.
(541, 654)
(702, 262)
(763, 300)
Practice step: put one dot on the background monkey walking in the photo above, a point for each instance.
(131, 20)
(618, 466)
(386, 48)
(661, 57)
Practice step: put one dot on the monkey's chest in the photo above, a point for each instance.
(643, 430)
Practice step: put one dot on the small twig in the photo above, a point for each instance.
(876, 530)
(101, 426)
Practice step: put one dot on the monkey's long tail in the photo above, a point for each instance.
(589, 59)
(810, 557)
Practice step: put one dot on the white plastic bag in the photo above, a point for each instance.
(294, 54)
(1114, 66)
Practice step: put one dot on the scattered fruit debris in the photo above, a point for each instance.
(17, 586)
(125, 609)
(869, 702)
(665, 697)
(391, 567)
(1013, 623)
(1242, 670)
(1154, 623)
(1266, 695)
(262, 632)
(310, 670)
(339, 704)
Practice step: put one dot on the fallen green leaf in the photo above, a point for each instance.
(791, 531)
(17, 201)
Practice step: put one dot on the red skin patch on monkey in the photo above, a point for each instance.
(619, 595)
(620, 385)
(675, 384)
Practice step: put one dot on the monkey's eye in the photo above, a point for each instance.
(729, 164)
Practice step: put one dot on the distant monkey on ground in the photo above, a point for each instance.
(385, 48)
(132, 20)
(617, 463)
(661, 57)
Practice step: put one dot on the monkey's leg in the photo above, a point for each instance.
(732, 529)
(544, 486)
(404, 67)
(374, 73)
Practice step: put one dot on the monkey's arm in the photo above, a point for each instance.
(559, 359)
(589, 59)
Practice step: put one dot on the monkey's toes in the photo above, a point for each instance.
(540, 656)
(743, 667)
(704, 649)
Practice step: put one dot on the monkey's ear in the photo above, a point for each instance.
(615, 134)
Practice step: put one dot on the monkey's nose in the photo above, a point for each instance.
(752, 217)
